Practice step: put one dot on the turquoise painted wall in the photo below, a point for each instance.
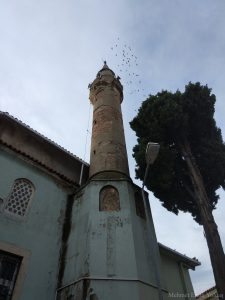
(40, 231)
(106, 245)
(108, 253)
(177, 279)
(101, 244)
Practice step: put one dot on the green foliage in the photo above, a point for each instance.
(171, 119)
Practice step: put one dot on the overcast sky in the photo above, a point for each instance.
(51, 50)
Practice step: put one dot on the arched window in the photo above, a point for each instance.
(20, 197)
(109, 199)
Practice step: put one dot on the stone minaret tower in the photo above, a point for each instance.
(108, 148)
(107, 255)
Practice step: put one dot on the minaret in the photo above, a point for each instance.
(108, 148)
(106, 254)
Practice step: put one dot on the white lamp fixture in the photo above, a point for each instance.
(151, 153)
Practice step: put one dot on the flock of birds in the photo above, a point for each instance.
(127, 67)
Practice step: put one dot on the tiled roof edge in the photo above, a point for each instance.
(194, 260)
(207, 291)
(42, 136)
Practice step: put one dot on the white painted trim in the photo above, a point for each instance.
(25, 254)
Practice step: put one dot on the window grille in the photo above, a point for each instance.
(19, 198)
(9, 267)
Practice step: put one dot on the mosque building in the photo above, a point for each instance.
(74, 231)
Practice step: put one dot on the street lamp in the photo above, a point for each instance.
(151, 153)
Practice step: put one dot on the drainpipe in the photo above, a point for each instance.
(81, 174)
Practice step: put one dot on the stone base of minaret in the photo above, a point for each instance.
(107, 255)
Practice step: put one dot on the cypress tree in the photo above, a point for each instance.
(191, 163)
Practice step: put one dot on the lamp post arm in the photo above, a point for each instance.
(146, 175)
(150, 237)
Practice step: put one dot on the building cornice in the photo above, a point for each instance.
(180, 258)
(26, 141)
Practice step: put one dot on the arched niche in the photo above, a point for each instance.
(109, 199)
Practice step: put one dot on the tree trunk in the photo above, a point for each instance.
(212, 236)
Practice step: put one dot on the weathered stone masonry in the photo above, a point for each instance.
(108, 148)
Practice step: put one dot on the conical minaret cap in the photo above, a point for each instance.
(105, 78)
(105, 71)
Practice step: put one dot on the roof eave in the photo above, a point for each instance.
(28, 142)
(190, 262)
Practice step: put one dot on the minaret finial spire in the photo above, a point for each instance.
(105, 65)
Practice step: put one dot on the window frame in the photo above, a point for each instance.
(22, 272)
(7, 257)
